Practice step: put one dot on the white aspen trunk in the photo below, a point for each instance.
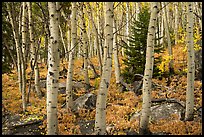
(100, 117)
(171, 69)
(147, 80)
(53, 71)
(85, 49)
(33, 50)
(96, 42)
(23, 55)
(176, 23)
(24, 31)
(127, 22)
(69, 99)
(115, 54)
(191, 64)
(68, 40)
(18, 47)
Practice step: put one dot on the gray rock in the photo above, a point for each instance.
(162, 111)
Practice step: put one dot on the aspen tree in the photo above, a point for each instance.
(18, 47)
(166, 24)
(176, 22)
(191, 64)
(23, 57)
(115, 54)
(85, 48)
(96, 41)
(33, 50)
(147, 80)
(69, 99)
(53, 70)
(100, 117)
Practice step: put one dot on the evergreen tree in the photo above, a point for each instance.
(136, 50)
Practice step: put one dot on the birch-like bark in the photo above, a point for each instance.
(24, 31)
(115, 54)
(100, 117)
(23, 55)
(127, 22)
(53, 70)
(33, 50)
(147, 80)
(85, 49)
(191, 64)
(18, 47)
(171, 69)
(176, 23)
(69, 98)
(96, 41)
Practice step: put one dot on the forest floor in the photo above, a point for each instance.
(120, 106)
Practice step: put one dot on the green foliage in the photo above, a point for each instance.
(136, 49)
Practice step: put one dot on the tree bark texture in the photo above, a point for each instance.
(100, 121)
(191, 64)
(147, 80)
(53, 71)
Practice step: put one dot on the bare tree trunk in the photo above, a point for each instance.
(16, 38)
(85, 49)
(176, 22)
(96, 32)
(34, 64)
(115, 55)
(69, 99)
(53, 70)
(191, 64)
(23, 57)
(100, 121)
(171, 69)
(147, 80)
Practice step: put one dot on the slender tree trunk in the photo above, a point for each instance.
(115, 54)
(53, 70)
(16, 38)
(176, 23)
(24, 31)
(191, 64)
(127, 22)
(34, 64)
(96, 32)
(23, 57)
(69, 99)
(100, 121)
(85, 49)
(171, 69)
(147, 80)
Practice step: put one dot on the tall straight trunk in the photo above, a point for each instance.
(100, 117)
(115, 54)
(69, 99)
(127, 22)
(34, 64)
(23, 57)
(16, 38)
(24, 31)
(68, 40)
(176, 22)
(53, 70)
(171, 69)
(191, 64)
(96, 41)
(85, 48)
(147, 80)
